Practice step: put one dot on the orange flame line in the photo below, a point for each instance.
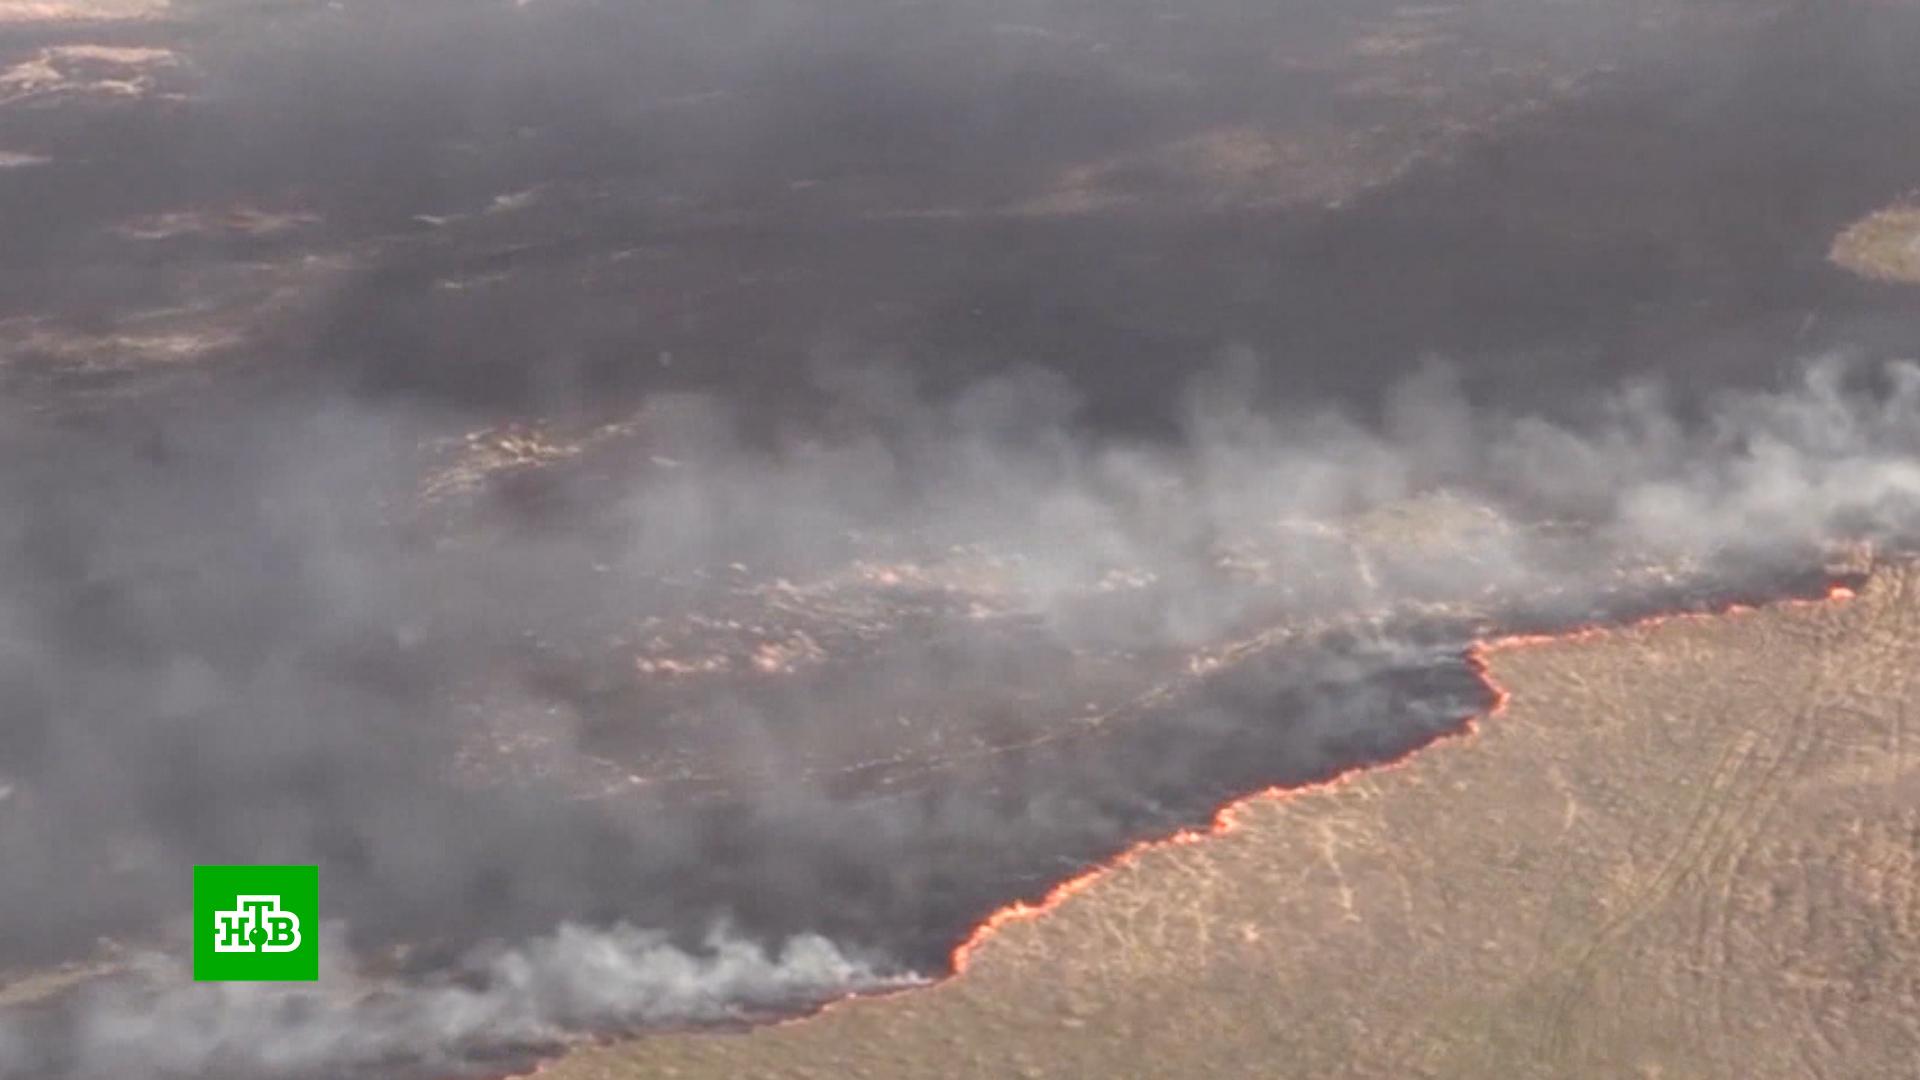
(1227, 817)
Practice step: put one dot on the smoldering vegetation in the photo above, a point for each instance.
(907, 542)
(508, 1007)
(223, 646)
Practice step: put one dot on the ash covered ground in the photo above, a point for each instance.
(684, 513)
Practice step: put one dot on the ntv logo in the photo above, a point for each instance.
(255, 923)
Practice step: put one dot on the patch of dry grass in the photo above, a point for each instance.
(1884, 246)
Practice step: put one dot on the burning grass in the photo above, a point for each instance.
(1687, 845)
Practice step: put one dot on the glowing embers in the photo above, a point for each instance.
(1226, 819)
(145, 340)
(761, 652)
(467, 464)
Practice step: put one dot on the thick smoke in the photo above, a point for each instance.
(1753, 474)
(815, 615)
(224, 645)
(150, 1020)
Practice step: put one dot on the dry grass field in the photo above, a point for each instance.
(1884, 245)
(1684, 849)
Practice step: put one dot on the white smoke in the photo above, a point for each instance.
(153, 1021)
(1755, 475)
(1836, 452)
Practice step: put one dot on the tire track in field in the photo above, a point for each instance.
(1711, 949)
(1743, 789)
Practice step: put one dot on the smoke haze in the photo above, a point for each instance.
(681, 513)
(230, 654)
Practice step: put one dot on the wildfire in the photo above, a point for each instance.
(1227, 817)
(1836, 593)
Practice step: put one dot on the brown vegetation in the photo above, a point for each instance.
(1689, 848)
(1884, 245)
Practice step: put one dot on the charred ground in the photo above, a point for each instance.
(393, 392)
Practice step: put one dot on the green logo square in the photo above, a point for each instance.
(256, 923)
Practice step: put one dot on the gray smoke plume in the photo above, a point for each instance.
(584, 473)
(151, 1020)
(223, 646)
